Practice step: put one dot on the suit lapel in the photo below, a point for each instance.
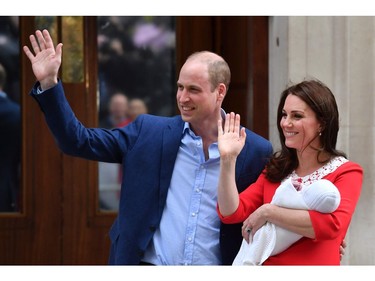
(240, 161)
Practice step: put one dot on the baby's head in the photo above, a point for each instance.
(322, 196)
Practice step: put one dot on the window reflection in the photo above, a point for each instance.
(10, 116)
(136, 70)
(72, 60)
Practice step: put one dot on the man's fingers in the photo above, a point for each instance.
(59, 49)
(34, 44)
(41, 40)
(28, 53)
(47, 39)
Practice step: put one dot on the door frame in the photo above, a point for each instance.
(61, 223)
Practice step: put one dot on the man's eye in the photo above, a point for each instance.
(193, 90)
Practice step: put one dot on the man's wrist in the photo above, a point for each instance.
(48, 84)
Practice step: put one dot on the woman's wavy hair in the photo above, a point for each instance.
(321, 100)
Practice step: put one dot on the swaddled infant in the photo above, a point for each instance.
(269, 240)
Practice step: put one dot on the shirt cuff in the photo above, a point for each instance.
(39, 90)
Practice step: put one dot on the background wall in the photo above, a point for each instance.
(340, 51)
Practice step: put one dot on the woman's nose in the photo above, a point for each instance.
(287, 122)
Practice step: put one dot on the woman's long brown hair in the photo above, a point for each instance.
(321, 100)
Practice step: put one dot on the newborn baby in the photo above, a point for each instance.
(269, 240)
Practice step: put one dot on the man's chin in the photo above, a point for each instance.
(186, 118)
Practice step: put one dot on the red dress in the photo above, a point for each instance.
(123, 123)
(330, 229)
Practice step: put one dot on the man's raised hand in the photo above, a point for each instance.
(45, 59)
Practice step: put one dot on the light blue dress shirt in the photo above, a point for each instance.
(190, 227)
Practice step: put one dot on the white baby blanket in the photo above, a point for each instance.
(269, 240)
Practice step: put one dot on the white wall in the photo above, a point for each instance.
(340, 51)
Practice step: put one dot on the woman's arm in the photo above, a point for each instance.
(311, 223)
(287, 210)
(297, 221)
(231, 140)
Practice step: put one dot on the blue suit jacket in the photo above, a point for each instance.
(10, 154)
(147, 148)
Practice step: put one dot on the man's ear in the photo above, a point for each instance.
(222, 91)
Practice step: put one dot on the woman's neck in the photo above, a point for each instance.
(309, 162)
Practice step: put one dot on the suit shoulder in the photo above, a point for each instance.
(159, 119)
(258, 140)
(154, 121)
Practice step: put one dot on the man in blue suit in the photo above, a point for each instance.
(167, 213)
(10, 149)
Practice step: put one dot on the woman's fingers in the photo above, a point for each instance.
(220, 127)
(232, 123)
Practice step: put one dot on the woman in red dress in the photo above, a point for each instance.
(308, 124)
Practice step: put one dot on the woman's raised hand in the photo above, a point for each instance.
(231, 137)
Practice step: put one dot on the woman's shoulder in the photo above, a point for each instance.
(344, 165)
(351, 165)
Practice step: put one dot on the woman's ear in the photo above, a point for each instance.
(321, 127)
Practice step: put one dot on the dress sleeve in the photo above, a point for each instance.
(250, 199)
(348, 180)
